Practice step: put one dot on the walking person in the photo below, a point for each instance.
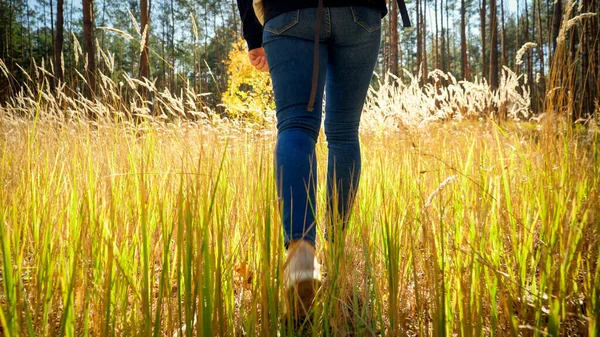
(311, 47)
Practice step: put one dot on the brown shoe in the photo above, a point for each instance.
(302, 277)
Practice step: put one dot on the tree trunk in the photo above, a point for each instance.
(556, 18)
(437, 36)
(419, 32)
(144, 66)
(493, 46)
(542, 86)
(9, 34)
(58, 46)
(394, 37)
(235, 23)
(463, 40)
(88, 45)
(102, 46)
(424, 36)
(172, 81)
(205, 39)
(529, 56)
(197, 58)
(68, 71)
(586, 107)
(164, 37)
(482, 13)
(596, 69)
(5, 46)
(517, 33)
(503, 34)
(29, 41)
(384, 51)
(52, 33)
(447, 40)
(43, 43)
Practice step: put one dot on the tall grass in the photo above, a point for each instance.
(164, 229)
(401, 102)
(125, 217)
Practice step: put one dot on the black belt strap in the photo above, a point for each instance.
(315, 74)
(404, 13)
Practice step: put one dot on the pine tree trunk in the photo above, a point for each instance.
(9, 34)
(53, 81)
(88, 45)
(102, 46)
(197, 58)
(542, 86)
(493, 46)
(529, 57)
(5, 36)
(39, 32)
(437, 36)
(172, 81)
(424, 36)
(556, 18)
(463, 40)
(503, 35)
(163, 56)
(394, 37)
(596, 74)
(517, 32)
(447, 40)
(29, 41)
(144, 66)
(482, 13)
(384, 48)
(419, 32)
(58, 46)
(586, 107)
(233, 10)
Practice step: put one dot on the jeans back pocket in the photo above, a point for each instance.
(367, 18)
(282, 22)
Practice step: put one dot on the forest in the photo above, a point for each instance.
(178, 44)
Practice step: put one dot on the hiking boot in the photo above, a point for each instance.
(302, 278)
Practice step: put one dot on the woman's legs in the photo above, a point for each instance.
(290, 58)
(348, 52)
(353, 51)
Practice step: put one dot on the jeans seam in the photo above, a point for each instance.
(328, 22)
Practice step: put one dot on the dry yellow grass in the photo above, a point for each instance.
(117, 219)
(116, 229)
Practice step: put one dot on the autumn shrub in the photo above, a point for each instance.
(249, 95)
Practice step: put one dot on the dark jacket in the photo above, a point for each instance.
(252, 29)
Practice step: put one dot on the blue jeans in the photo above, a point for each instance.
(349, 46)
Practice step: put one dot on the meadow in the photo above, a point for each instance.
(471, 228)
(473, 217)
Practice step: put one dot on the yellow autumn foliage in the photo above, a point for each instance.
(249, 94)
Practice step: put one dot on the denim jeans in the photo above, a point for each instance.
(348, 49)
